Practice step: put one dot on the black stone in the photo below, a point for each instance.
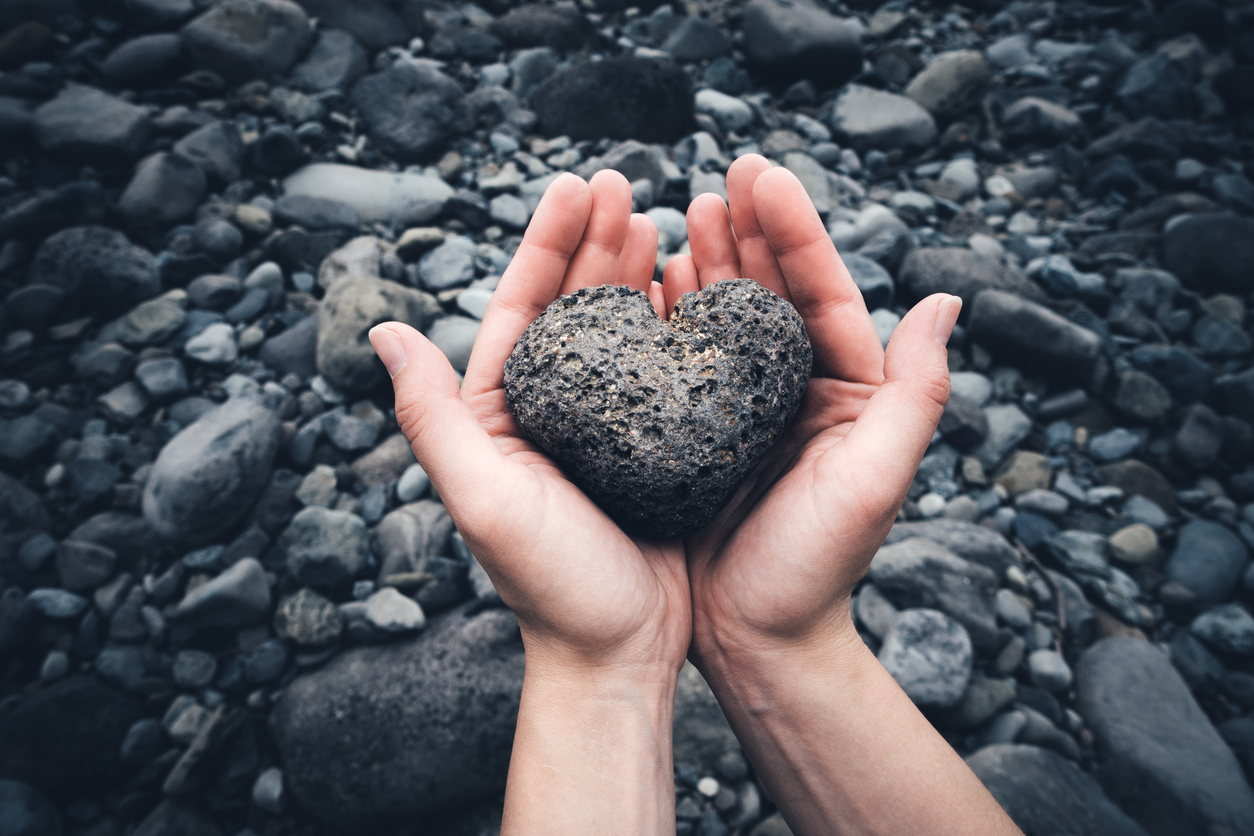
(563, 29)
(622, 98)
(660, 423)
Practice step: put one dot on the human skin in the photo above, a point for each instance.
(759, 599)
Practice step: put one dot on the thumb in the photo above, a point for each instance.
(452, 447)
(897, 425)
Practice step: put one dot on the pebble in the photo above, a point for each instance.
(1228, 627)
(1049, 670)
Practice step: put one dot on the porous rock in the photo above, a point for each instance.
(658, 422)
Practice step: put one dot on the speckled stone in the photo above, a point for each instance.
(659, 422)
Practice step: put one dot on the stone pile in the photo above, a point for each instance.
(231, 603)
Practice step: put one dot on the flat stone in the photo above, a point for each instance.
(238, 597)
(868, 118)
(1026, 331)
(923, 573)
(951, 83)
(684, 462)
(90, 125)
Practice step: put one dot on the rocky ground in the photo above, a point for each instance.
(230, 602)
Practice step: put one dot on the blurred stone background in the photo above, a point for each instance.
(231, 603)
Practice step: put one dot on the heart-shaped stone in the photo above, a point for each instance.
(659, 422)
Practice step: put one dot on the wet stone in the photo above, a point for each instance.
(698, 400)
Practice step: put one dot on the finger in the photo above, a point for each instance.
(711, 240)
(679, 277)
(452, 447)
(531, 282)
(756, 257)
(639, 257)
(841, 334)
(596, 260)
(657, 297)
(899, 420)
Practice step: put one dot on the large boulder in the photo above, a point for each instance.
(389, 735)
(1046, 794)
(792, 39)
(97, 268)
(64, 738)
(243, 39)
(960, 271)
(411, 109)
(1160, 757)
(209, 476)
(87, 124)
(349, 310)
(622, 98)
(1034, 335)
(1211, 252)
(865, 118)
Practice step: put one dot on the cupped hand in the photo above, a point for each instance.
(584, 592)
(778, 564)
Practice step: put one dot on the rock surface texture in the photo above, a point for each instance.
(658, 422)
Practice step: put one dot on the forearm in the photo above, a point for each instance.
(840, 746)
(592, 753)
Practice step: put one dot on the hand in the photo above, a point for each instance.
(605, 619)
(778, 564)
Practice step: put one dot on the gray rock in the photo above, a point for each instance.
(326, 548)
(868, 118)
(923, 573)
(451, 263)
(1045, 794)
(729, 112)
(408, 537)
(1049, 670)
(87, 124)
(1033, 334)
(412, 484)
(1080, 551)
(411, 108)
(56, 603)
(390, 611)
(874, 281)
(268, 791)
(372, 22)
(967, 540)
(193, 668)
(390, 197)
(1208, 252)
(1228, 627)
(509, 211)
(951, 83)
(165, 189)
(153, 321)
(1007, 426)
(238, 597)
(701, 733)
(243, 39)
(215, 345)
(141, 60)
(171, 817)
(308, 619)
(625, 97)
(24, 811)
(384, 736)
(1033, 119)
(984, 699)
(1160, 758)
(1208, 560)
(684, 442)
(97, 267)
(1154, 87)
(159, 14)
(455, 336)
(929, 655)
(1012, 610)
(295, 350)
(217, 148)
(960, 271)
(210, 475)
(697, 39)
(362, 257)
(350, 309)
(798, 39)
(335, 61)
(83, 566)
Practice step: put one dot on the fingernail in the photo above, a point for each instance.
(947, 317)
(389, 348)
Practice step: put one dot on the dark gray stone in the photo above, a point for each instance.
(174, 817)
(660, 422)
(210, 475)
(347, 313)
(930, 656)
(165, 189)
(217, 148)
(295, 350)
(25, 812)
(372, 22)
(793, 39)
(144, 61)
(866, 118)
(1210, 252)
(1208, 560)
(335, 62)
(1046, 794)
(622, 98)
(64, 739)
(562, 29)
(243, 39)
(97, 267)
(385, 736)
(83, 566)
(958, 270)
(238, 597)
(411, 108)
(697, 39)
(1160, 757)
(1033, 335)
(87, 124)
(967, 540)
(326, 548)
(1154, 87)
(874, 281)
